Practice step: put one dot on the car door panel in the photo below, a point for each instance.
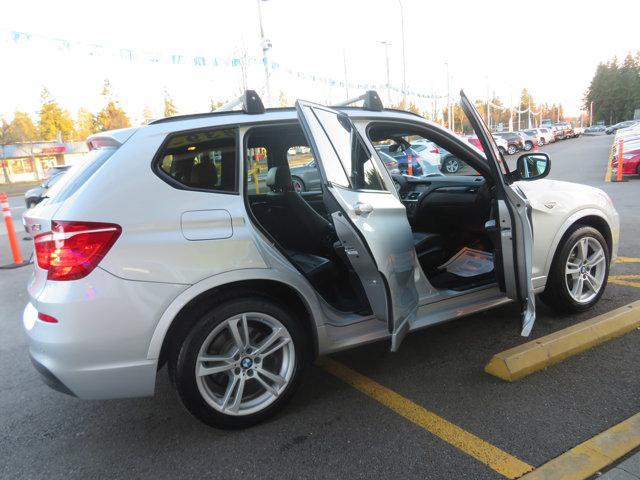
(514, 223)
(372, 225)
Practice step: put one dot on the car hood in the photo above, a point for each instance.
(564, 196)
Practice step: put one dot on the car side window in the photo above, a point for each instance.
(202, 160)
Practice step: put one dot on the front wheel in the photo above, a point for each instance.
(541, 142)
(528, 146)
(451, 165)
(579, 271)
(240, 363)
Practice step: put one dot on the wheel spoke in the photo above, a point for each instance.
(592, 283)
(572, 268)
(234, 328)
(267, 342)
(237, 399)
(597, 258)
(229, 391)
(583, 248)
(223, 367)
(267, 387)
(578, 286)
(277, 379)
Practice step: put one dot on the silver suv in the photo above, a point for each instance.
(184, 242)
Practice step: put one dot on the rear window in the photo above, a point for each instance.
(76, 176)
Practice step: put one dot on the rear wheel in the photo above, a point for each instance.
(240, 363)
(512, 150)
(298, 184)
(579, 271)
(541, 142)
(528, 146)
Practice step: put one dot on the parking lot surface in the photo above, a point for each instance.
(331, 429)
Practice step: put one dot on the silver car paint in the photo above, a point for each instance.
(113, 322)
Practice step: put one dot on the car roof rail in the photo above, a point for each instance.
(250, 101)
(371, 101)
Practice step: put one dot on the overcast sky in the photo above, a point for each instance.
(552, 48)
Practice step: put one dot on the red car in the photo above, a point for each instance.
(476, 143)
(630, 163)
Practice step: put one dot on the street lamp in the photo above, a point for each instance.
(387, 44)
(404, 64)
(266, 45)
(448, 97)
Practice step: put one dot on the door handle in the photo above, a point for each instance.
(362, 208)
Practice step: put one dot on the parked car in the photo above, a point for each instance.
(237, 291)
(531, 138)
(563, 130)
(630, 163)
(306, 177)
(514, 141)
(577, 131)
(35, 195)
(427, 150)
(56, 169)
(545, 135)
(503, 145)
(614, 128)
(594, 129)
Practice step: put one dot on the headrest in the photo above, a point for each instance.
(279, 179)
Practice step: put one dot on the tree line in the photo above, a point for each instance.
(55, 123)
(614, 91)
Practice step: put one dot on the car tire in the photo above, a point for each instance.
(528, 146)
(574, 284)
(298, 184)
(541, 142)
(512, 149)
(502, 150)
(451, 165)
(247, 380)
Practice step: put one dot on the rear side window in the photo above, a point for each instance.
(71, 180)
(202, 160)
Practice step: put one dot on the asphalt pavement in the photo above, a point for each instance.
(331, 430)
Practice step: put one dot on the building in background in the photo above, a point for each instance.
(29, 161)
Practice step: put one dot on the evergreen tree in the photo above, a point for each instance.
(111, 116)
(54, 120)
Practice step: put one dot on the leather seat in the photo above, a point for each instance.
(295, 224)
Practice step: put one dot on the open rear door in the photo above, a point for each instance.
(514, 222)
(371, 223)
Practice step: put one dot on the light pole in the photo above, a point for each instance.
(448, 98)
(266, 45)
(404, 64)
(387, 44)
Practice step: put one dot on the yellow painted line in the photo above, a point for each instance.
(589, 457)
(496, 459)
(525, 359)
(626, 280)
(627, 260)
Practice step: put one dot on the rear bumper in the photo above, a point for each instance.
(98, 349)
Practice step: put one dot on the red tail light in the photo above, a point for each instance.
(47, 318)
(73, 249)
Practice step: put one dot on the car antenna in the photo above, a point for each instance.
(250, 101)
(371, 101)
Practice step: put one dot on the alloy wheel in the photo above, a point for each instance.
(245, 364)
(451, 165)
(585, 269)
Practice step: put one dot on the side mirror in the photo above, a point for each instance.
(532, 166)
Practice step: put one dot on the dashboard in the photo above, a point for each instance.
(442, 203)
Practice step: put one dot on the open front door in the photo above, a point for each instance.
(516, 234)
(370, 221)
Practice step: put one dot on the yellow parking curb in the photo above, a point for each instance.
(586, 459)
(525, 359)
(627, 260)
(626, 280)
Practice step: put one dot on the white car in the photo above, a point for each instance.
(428, 151)
(545, 135)
(238, 286)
